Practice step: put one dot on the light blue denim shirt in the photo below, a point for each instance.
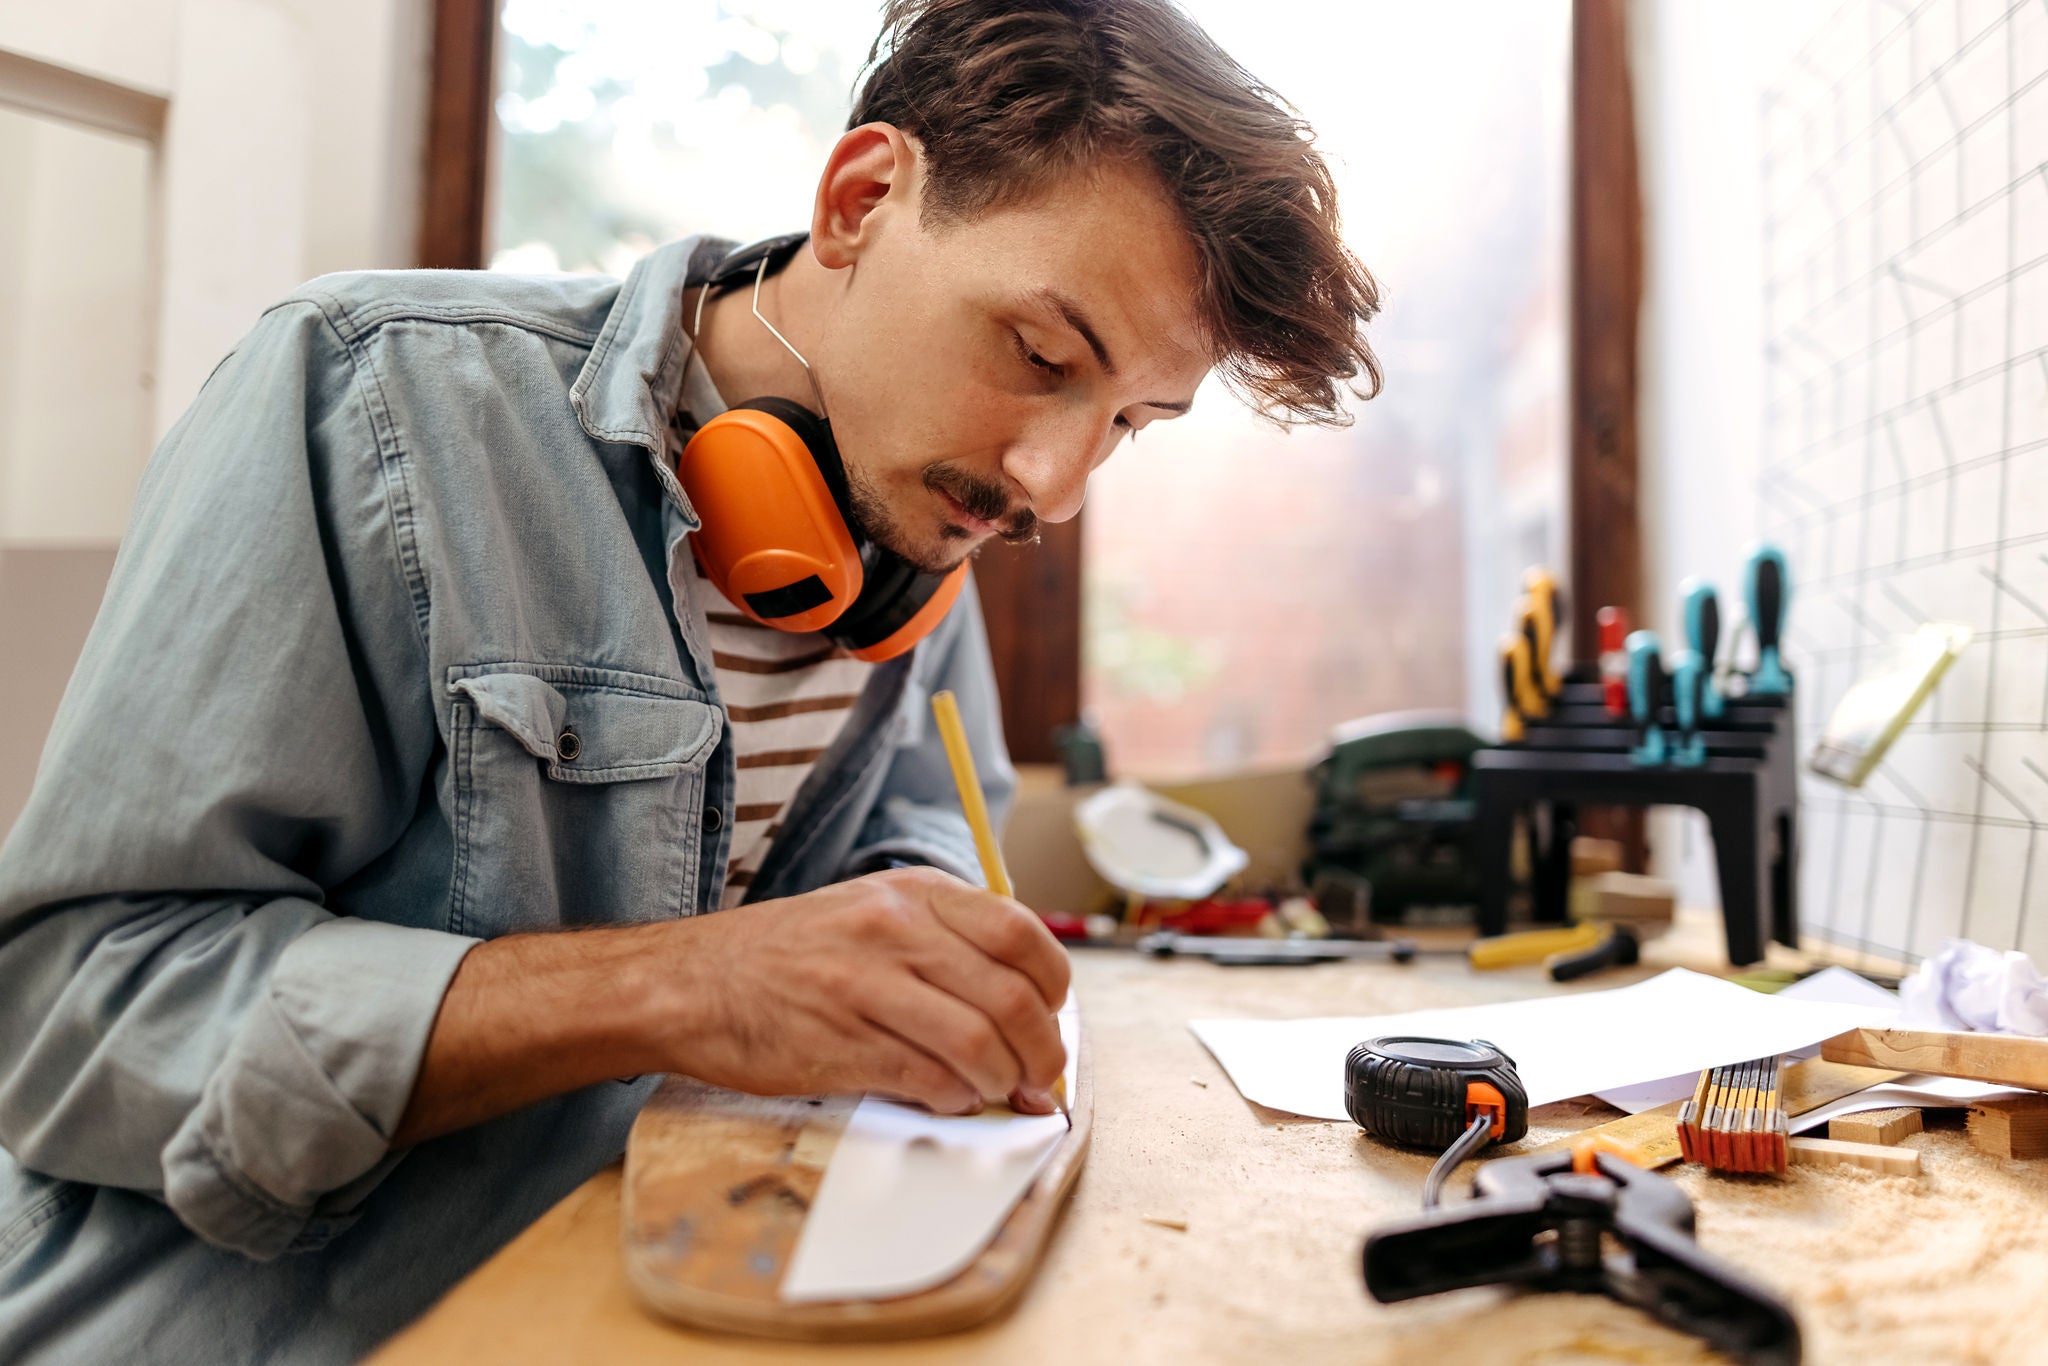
(415, 527)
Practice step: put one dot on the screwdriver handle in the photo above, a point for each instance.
(1515, 687)
(1619, 949)
(1688, 683)
(1646, 694)
(1701, 608)
(1536, 701)
(1768, 588)
(1546, 601)
(1613, 622)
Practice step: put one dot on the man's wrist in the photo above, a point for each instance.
(640, 1000)
(537, 1015)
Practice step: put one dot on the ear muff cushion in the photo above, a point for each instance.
(766, 480)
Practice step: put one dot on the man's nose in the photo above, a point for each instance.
(1052, 466)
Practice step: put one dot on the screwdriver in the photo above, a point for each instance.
(1701, 608)
(1769, 590)
(1517, 687)
(1646, 694)
(1688, 684)
(1613, 660)
(1537, 701)
(1546, 601)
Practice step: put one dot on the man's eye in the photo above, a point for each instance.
(1032, 357)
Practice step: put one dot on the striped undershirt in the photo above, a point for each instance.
(786, 695)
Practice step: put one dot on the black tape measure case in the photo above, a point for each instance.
(1424, 1092)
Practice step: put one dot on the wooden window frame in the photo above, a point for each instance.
(455, 184)
(1032, 597)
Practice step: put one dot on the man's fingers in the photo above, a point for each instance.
(1032, 1102)
(1008, 932)
(903, 1071)
(950, 1030)
(1004, 996)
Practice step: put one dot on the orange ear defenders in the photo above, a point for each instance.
(778, 536)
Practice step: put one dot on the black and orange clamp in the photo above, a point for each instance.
(1545, 1222)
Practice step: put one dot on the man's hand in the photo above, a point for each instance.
(908, 982)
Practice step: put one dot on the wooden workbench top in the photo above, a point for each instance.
(1945, 1268)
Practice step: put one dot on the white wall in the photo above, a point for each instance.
(74, 313)
(290, 146)
(1700, 72)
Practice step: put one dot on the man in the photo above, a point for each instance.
(408, 666)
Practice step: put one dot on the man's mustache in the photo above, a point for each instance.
(983, 500)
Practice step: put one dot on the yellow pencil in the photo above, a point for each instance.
(946, 709)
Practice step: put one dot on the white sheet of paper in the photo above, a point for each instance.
(1563, 1046)
(1838, 985)
(1940, 1093)
(910, 1198)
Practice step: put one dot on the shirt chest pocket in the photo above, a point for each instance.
(578, 798)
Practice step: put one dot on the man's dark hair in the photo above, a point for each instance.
(1007, 95)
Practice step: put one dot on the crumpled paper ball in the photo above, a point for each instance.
(1969, 986)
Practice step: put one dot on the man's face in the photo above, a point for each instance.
(978, 371)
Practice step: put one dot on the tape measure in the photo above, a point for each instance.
(1426, 1093)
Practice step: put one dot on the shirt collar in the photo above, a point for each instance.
(634, 378)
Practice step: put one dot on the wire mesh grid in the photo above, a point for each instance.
(1905, 460)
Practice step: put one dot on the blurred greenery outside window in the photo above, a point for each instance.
(1244, 590)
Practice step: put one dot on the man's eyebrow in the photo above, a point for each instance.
(1071, 314)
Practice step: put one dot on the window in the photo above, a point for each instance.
(617, 117)
(1246, 590)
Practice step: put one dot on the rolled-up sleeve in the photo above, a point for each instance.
(188, 1007)
(917, 816)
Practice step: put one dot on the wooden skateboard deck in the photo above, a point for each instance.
(718, 1185)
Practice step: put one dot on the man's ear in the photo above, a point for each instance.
(869, 178)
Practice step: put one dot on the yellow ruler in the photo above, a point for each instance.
(1652, 1136)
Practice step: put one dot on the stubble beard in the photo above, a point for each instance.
(873, 519)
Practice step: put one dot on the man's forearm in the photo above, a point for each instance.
(910, 983)
(536, 1015)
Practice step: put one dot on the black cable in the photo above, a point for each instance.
(1454, 1156)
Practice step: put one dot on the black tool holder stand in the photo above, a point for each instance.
(1534, 1222)
(1748, 788)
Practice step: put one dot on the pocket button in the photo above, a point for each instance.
(569, 744)
(714, 820)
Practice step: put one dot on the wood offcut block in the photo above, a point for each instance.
(1633, 898)
(1592, 856)
(2013, 1127)
(1875, 1126)
(2008, 1059)
(1828, 1152)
